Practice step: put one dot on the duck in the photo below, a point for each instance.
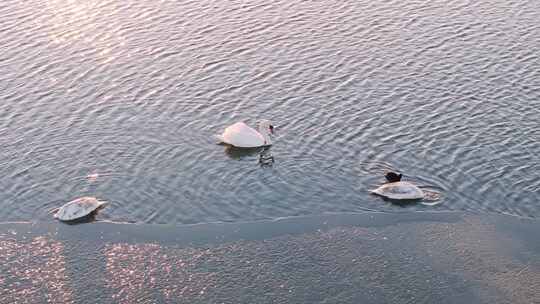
(241, 135)
(398, 190)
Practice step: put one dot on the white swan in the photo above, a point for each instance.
(398, 190)
(243, 136)
(79, 208)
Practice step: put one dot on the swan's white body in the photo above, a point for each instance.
(243, 136)
(78, 208)
(399, 191)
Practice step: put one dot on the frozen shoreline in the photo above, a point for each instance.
(339, 258)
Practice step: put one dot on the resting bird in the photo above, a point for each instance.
(243, 136)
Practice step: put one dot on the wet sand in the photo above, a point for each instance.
(354, 258)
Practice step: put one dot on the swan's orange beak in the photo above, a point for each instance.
(271, 129)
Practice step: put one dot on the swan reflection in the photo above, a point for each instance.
(266, 159)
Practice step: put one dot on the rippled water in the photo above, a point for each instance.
(121, 100)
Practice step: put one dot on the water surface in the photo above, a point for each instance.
(121, 99)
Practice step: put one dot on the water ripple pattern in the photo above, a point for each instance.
(120, 100)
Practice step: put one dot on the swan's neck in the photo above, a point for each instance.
(266, 135)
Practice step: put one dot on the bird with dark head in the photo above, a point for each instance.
(393, 177)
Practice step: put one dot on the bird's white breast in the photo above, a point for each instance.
(399, 190)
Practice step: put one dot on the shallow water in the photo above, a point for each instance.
(121, 100)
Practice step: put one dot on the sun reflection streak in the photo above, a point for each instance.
(33, 271)
(86, 23)
(136, 271)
